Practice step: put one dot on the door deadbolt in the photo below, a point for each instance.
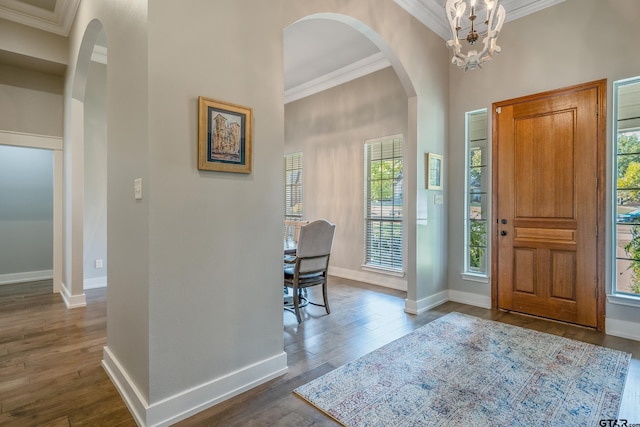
(503, 220)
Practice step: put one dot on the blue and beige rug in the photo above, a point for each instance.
(460, 370)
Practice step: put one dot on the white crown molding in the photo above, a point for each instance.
(360, 68)
(431, 12)
(521, 9)
(58, 22)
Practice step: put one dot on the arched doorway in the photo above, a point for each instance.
(339, 49)
(84, 145)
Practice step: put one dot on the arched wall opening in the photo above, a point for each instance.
(408, 129)
(86, 122)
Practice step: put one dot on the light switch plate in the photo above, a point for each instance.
(137, 188)
(438, 199)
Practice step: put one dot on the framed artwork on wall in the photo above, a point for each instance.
(224, 136)
(433, 171)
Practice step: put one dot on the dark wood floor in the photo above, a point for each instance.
(50, 361)
(51, 374)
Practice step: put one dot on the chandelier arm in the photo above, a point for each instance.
(451, 8)
(492, 36)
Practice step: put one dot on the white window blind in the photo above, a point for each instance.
(383, 203)
(293, 186)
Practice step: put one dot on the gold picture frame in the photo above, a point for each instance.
(224, 136)
(433, 167)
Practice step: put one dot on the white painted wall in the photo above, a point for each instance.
(330, 128)
(30, 101)
(574, 42)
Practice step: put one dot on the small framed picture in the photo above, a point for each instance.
(433, 171)
(224, 136)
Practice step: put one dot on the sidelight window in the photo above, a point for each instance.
(627, 187)
(476, 194)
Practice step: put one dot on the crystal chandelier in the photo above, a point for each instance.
(495, 15)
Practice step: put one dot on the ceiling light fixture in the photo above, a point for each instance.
(455, 10)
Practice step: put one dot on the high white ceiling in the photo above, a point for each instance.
(319, 53)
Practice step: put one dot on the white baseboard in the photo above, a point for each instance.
(189, 402)
(420, 306)
(28, 276)
(622, 329)
(383, 280)
(134, 399)
(470, 298)
(95, 282)
(72, 301)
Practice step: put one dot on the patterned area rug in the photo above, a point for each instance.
(460, 370)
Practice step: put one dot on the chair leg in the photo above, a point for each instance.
(296, 304)
(324, 295)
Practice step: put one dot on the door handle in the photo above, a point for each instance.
(503, 233)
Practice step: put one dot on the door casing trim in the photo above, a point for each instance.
(601, 87)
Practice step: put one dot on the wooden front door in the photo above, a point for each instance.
(548, 183)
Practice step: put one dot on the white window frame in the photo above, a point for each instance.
(391, 263)
(615, 296)
(470, 272)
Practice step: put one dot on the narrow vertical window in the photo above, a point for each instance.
(293, 186)
(626, 100)
(383, 201)
(476, 194)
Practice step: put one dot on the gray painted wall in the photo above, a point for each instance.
(30, 101)
(330, 128)
(26, 210)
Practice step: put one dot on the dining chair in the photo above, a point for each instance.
(310, 264)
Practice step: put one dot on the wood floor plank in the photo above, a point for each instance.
(51, 373)
(50, 361)
(363, 318)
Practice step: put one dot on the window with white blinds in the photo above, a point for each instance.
(293, 186)
(383, 199)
